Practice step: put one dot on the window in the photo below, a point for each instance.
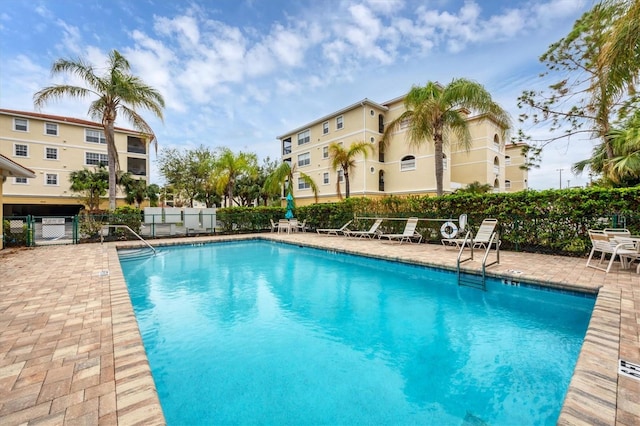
(302, 184)
(286, 146)
(137, 166)
(304, 159)
(380, 123)
(381, 152)
(408, 163)
(325, 128)
(20, 180)
(340, 175)
(51, 129)
(496, 142)
(51, 153)
(94, 136)
(20, 125)
(339, 122)
(304, 137)
(136, 145)
(404, 124)
(325, 178)
(445, 162)
(507, 160)
(95, 159)
(325, 152)
(507, 184)
(51, 179)
(20, 150)
(381, 180)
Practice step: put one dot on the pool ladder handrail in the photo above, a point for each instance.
(130, 230)
(495, 239)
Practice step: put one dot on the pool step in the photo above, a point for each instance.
(130, 254)
(471, 280)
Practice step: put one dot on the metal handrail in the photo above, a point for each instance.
(468, 237)
(131, 230)
(486, 254)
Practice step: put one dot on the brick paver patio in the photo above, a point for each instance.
(71, 352)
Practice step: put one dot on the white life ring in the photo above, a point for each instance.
(449, 230)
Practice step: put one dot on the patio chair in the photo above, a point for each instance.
(302, 227)
(605, 244)
(408, 234)
(334, 231)
(372, 232)
(632, 243)
(482, 238)
(293, 225)
(274, 226)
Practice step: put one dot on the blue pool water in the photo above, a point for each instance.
(258, 332)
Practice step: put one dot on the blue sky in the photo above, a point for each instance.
(238, 73)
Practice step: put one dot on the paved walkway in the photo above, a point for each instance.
(71, 352)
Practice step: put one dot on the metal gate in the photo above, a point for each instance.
(31, 230)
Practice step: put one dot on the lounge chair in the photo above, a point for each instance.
(334, 231)
(481, 239)
(408, 234)
(372, 232)
(605, 243)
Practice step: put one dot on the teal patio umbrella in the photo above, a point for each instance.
(289, 213)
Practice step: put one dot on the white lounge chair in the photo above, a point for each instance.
(408, 234)
(372, 232)
(604, 243)
(334, 231)
(481, 239)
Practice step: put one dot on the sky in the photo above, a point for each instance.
(239, 73)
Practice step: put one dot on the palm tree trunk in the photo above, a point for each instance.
(112, 155)
(437, 139)
(347, 189)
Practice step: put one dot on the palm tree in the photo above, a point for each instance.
(230, 166)
(623, 168)
(435, 113)
(345, 159)
(621, 52)
(284, 174)
(116, 92)
(93, 184)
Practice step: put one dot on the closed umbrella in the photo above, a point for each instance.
(289, 213)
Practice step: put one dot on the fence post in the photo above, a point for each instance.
(75, 229)
(31, 230)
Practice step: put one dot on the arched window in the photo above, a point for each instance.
(507, 184)
(496, 166)
(380, 123)
(408, 162)
(380, 180)
(381, 152)
(507, 160)
(445, 162)
(496, 185)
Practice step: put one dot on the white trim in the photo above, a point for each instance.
(52, 124)
(15, 180)
(99, 154)
(57, 153)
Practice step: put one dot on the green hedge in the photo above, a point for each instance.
(551, 221)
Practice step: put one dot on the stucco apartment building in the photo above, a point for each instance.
(53, 147)
(400, 168)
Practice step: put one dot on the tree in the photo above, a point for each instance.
(92, 184)
(436, 113)
(345, 159)
(230, 167)
(623, 169)
(116, 92)
(190, 173)
(586, 95)
(621, 52)
(136, 190)
(284, 175)
(475, 188)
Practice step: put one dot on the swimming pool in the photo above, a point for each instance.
(263, 332)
